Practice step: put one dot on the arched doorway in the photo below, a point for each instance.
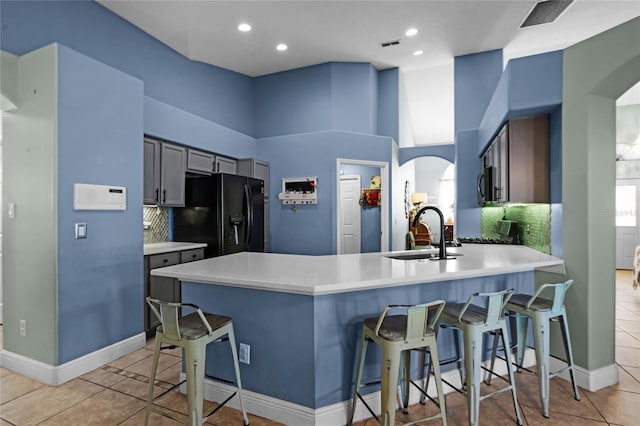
(432, 181)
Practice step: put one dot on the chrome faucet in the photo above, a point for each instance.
(442, 250)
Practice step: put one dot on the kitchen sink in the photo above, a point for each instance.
(418, 256)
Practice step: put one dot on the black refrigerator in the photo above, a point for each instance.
(225, 211)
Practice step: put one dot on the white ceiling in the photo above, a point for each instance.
(323, 31)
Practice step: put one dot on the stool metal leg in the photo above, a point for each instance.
(494, 352)
(522, 325)
(361, 358)
(405, 380)
(541, 338)
(436, 371)
(512, 380)
(567, 348)
(152, 380)
(389, 385)
(234, 353)
(194, 354)
(472, 360)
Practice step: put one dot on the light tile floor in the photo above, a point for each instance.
(115, 393)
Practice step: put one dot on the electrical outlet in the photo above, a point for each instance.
(23, 327)
(245, 354)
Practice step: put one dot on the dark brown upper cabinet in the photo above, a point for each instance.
(518, 158)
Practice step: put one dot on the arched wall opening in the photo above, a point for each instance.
(595, 73)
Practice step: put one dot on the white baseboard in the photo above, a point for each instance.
(57, 375)
(290, 413)
(591, 380)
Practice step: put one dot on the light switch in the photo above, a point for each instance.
(12, 210)
(81, 230)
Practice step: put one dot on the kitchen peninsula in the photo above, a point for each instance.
(302, 314)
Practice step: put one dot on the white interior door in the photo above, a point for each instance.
(627, 237)
(349, 214)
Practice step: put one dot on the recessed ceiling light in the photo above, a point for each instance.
(244, 28)
(282, 47)
(418, 53)
(411, 32)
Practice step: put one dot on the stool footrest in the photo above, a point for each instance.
(219, 407)
(367, 405)
(425, 394)
(495, 392)
(452, 386)
(169, 390)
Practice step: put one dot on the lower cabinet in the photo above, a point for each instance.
(163, 288)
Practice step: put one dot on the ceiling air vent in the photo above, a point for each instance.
(390, 43)
(545, 11)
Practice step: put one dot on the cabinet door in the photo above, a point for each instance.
(501, 156)
(172, 176)
(191, 255)
(158, 287)
(200, 162)
(253, 168)
(529, 160)
(146, 293)
(151, 192)
(266, 225)
(225, 165)
(261, 171)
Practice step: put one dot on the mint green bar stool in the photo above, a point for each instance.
(397, 336)
(192, 333)
(542, 312)
(474, 321)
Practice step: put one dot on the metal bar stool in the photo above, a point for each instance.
(474, 321)
(397, 335)
(192, 333)
(542, 312)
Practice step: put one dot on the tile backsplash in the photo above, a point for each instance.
(534, 223)
(157, 219)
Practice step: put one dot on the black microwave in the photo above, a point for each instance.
(485, 185)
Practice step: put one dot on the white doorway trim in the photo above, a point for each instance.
(384, 198)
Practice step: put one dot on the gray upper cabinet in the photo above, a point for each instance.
(172, 175)
(258, 169)
(200, 162)
(225, 165)
(164, 173)
(151, 191)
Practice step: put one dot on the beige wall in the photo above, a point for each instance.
(596, 72)
(29, 268)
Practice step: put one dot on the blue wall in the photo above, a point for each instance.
(296, 101)
(369, 216)
(354, 94)
(528, 86)
(331, 96)
(475, 80)
(311, 229)
(317, 337)
(174, 124)
(100, 287)
(216, 94)
(389, 103)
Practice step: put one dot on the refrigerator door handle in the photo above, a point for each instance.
(247, 194)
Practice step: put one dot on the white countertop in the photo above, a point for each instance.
(158, 248)
(317, 275)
